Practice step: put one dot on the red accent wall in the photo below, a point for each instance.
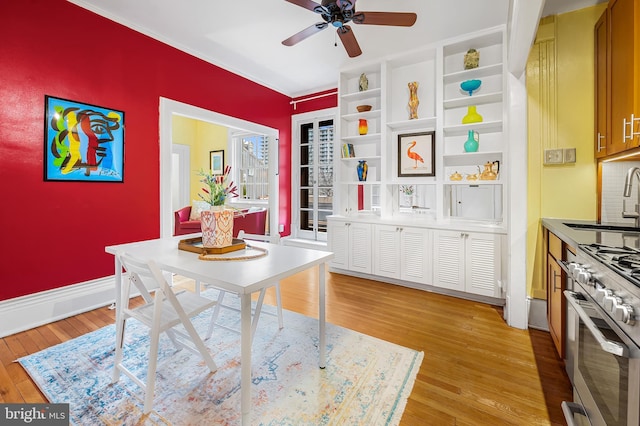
(53, 234)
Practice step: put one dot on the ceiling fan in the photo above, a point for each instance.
(340, 12)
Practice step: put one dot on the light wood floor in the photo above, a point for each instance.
(476, 370)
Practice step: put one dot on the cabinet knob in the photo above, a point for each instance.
(600, 137)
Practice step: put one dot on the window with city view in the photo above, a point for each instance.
(252, 161)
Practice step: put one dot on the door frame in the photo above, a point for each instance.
(296, 121)
(169, 108)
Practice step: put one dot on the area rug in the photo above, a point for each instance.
(366, 382)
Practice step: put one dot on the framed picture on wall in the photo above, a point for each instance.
(416, 154)
(217, 162)
(82, 142)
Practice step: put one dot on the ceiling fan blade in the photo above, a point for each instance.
(349, 41)
(400, 19)
(307, 4)
(307, 32)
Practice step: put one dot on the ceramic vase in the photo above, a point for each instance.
(471, 59)
(208, 226)
(363, 83)
(362, 169)
(224, 226)
(472, 116)
(413, 100)
(471, 145)
(363, 126)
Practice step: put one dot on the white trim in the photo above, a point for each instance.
(296, 121)
(168, 108)
(26, 312)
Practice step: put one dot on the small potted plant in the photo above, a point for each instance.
(217, 222)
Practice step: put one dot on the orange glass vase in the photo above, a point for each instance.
(363, 126)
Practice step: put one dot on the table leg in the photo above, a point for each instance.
(245, 358)
(322, 315)
(119, 323)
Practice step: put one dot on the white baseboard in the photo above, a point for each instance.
(538, 314)
(26, 312)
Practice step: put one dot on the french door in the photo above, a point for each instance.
(315, 177)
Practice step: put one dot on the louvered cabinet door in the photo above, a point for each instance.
(338, 237)
(416, 255)
(448, 257)
(360, 254)
(387, 251)
(482, 265)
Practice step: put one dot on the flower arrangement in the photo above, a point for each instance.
(407, 190)
(216, 189)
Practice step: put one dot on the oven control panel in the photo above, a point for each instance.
(612, 301)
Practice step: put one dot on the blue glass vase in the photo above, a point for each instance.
(362, 169)
(471, 145)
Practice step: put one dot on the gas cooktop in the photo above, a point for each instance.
(625, 261)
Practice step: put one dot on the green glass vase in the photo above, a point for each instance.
(472, 116)
(471, 145)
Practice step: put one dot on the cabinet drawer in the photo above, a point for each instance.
(555, 246)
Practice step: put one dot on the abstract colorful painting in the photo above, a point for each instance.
(83, 142)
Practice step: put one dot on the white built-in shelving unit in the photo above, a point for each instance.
(440, 207)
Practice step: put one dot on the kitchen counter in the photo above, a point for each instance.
(576, 236)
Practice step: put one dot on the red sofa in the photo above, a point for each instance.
(251, 222)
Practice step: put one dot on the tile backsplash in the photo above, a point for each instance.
(613, 175)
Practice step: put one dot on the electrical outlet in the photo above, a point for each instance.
(569, 155)
(281, 227)
(553, 156)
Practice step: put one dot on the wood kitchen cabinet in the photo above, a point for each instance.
(624, 75)
(602, 113)
(556, 304)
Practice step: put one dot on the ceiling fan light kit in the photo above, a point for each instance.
(338, 13)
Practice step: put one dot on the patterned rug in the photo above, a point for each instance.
(366, 382)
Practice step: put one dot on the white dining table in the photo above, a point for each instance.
(243, 277)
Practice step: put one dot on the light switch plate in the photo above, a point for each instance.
(569, 155)
(553, 156)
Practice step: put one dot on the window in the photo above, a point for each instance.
(251, 166)
(313, 184)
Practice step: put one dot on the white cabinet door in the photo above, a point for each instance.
(339, 243)
(482, 266)
(448, 257)
(416, 255)
(360, 252)
(387, 251)
(351, 245)
(468, 262)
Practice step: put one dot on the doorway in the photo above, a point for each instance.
(169, 108)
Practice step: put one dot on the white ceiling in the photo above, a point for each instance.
(244, 36)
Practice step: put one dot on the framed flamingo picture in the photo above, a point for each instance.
(416, 154)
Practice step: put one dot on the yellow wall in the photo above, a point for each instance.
(202, 138)
(560, 90)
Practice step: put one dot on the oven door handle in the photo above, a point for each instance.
(571, 408)
(614, 348)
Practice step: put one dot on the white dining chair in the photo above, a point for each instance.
(273, 239)
(162, 311)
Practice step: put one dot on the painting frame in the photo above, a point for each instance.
(216, 162)
(82, 142)
(415, 148)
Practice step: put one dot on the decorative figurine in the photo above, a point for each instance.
(413, 100)
(471, 59)
(364, 82)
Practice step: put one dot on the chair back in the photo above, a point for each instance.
(141, 275)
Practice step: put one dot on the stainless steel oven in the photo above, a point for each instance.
(606, 356)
